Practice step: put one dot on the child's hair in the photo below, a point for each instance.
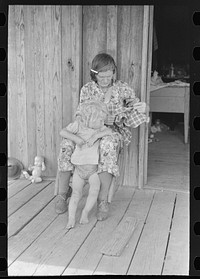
(91, 110)
(102, 62)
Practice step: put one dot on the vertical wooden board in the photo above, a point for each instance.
(71, 61)
(138, 208)
(21, 116)
(129, 49)
(130, 161)
(39, 78)
(149, 256)
(94, 35)
(52, 84)
(150, 40)
(144, 68)
(112, 31)
(49, 60)
(20, 121)
(177, 257)
(66, 69)
(30, 85)
(12, 83)
(130, 26)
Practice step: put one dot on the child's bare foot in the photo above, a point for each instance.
(70, 224)
(84, 218)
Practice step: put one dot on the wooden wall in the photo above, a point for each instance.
(43, 89)
(50, 49)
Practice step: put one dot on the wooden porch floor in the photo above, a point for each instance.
(38, 243)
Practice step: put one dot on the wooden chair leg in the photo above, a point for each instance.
(113, 186)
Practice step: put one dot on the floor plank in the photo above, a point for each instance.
(177, 258)
(89, 255)
(23, 196)
(119, 237)
(139, 209)
(24, 215)
(19, 243)
(17, 186)
(38, 243)
(168, 162)
(11, 181)
(43, 247)
(54, 249)
(150, 252)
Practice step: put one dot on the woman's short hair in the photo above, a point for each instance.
(102, 62)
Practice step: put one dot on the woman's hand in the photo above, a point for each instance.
(141, 107)
(110, 120)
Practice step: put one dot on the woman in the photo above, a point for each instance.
(125, 111)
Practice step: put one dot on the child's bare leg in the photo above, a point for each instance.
(77, 187)
(94, 183)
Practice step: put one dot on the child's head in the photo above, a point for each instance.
(102, 62)
(38, 161)
(92, 114)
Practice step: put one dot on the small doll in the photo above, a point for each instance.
(36, 170)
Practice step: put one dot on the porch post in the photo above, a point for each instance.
(145, 82)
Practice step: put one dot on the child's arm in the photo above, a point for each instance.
(69, 135)
(99, 134)
(104, 131)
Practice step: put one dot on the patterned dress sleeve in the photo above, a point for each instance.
(128, 92)
(85, 94)
(125, 116)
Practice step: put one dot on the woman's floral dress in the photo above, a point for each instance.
(124, 119)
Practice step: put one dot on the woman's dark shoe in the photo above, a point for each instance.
(102, 210)
(62, 202)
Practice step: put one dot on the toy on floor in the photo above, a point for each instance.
(36, 170)
(15, 168)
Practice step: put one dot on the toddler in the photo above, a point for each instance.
(85, 131)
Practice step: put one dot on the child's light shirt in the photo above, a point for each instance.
(84, 155)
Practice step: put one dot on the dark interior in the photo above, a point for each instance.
(171, 46)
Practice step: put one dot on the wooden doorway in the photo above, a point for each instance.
(168, 155)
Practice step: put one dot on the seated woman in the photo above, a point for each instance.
(125, 111)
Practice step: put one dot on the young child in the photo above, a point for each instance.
(85, 131)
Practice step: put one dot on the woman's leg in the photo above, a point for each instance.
(62, 189)
(94, 183)
(102, 203)
(106, 179)
(107, 169)
(77, 187)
